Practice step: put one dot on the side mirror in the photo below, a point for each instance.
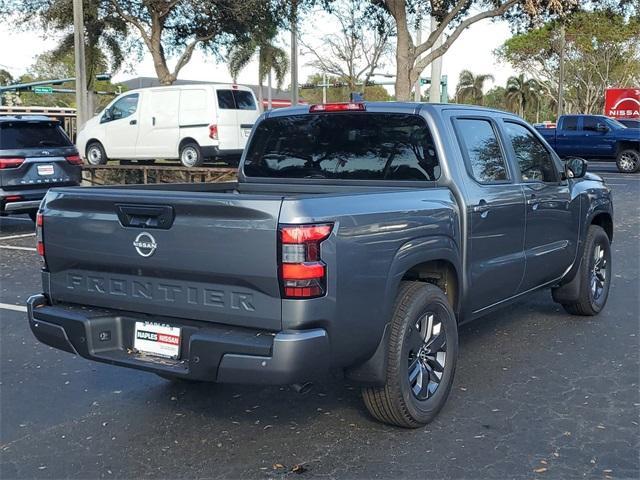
(106, 116)
(601, 127)
(575, 167)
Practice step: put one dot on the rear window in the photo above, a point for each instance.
(348, 146)
(21, 135)
(235, 100)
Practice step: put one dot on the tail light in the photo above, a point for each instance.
(213, 132)
(40, 234)
(303, 274)
(74, 159)
(12, 198)
(338, 107)
(11, 162)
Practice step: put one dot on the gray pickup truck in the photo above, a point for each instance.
(357, 239)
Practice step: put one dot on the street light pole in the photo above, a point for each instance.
(81, 69)
(294, 52)
(417, 94)
(561, 74)
(436, 68)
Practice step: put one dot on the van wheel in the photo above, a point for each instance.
(191, 155)
(421, 358)
(628, 161)
(594, 274)
(95, 154)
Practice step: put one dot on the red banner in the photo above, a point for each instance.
(622, 103)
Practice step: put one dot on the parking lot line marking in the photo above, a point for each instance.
(12, 247)
(11, 237)
(15, 308)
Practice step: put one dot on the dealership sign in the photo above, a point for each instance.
(622, 103)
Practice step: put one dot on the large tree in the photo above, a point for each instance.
(358, 48)
(178, 27)
(453, 17)
(601, 50)
(106, 36)
(271, 58)
(471, 87)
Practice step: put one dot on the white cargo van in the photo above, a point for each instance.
(187, 122)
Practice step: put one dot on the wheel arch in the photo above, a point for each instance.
(186, 140)
(628, 145)
(434, 260)
(605, 221)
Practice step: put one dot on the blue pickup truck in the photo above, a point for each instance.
(596, 137)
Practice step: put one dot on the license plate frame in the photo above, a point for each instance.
(45, 170)
(157, 339)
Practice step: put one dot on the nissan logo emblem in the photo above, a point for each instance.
(145, 244)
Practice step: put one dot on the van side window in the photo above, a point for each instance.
(244, 100)
(225, 99)
(236, 100)
(536, 163)
(480, 144)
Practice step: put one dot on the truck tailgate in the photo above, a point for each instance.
(198, 255)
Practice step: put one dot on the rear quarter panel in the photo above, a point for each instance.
(375, 239)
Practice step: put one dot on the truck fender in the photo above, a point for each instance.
(414, 252)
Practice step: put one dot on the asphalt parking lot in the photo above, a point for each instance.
(538, 394)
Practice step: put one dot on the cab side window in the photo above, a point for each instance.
(535, 162)
(570, 123)
(480, 145)
(122, 108)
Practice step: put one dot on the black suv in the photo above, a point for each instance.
(35, 154)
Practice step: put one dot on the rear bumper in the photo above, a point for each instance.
(29, 200)
(214, 151)
(209, 352)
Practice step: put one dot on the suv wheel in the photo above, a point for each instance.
(95, 154)
(191, 155)
(421, 358)
(594, 274)
(628, 161)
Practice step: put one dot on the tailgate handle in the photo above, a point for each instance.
(143, 216)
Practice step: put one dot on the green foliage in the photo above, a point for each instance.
(602, 50)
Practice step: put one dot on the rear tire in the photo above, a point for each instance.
(191, 155)
(595, 275)
(628, 161)
(421, 358)
(95, 154)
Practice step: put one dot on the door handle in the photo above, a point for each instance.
(482, 208)
(153, 121)
(146, 216)
(133, 122)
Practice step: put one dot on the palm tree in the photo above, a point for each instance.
(520, 91)
(271, 58)
(471, 86)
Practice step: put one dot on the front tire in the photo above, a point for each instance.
(95, 154)
(191, 155)
(595, 274)
(628, 161)
(421, 358)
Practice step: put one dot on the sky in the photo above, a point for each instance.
(471, 51)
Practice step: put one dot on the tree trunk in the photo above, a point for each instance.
(404, 63)
(269, 93)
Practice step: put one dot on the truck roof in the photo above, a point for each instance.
(399, 107)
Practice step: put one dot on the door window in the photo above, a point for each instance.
(570, 123)
(535, 162)
(123, 108)
(590, 123)
(481, 148)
